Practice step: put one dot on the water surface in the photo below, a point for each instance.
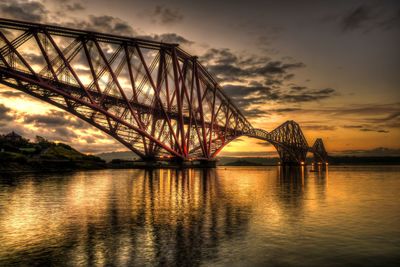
(236, 216)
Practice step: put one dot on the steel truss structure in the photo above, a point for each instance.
(291, 144)
(152, 97)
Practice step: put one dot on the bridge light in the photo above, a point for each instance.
(302, 163)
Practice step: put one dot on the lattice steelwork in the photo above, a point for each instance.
(292, 146)
(289, 141)
(320, 154)
(153, 97)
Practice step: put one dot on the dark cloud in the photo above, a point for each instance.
(104, 23)
(288, 76)
(33, 58)
(166, 15)
(45, 120)
(10, 93)
(68, 5)
(228, 67)
(352, 126)
(272, 77)
(298, 88)
(4, 116)
(356, 18)
(247, 95)
(19, 129)
(308, 96)
(228, 72)
(381, 118)
(374, 130)
(33, 11)
(285, 110)
(56, 126)
(225, 65)
(371, 113)
(392, 22)
(380, 122)
(276, 68)
(370, 16)
(394, 116)
(54, 119)
(318, 127)
(254, 112)
(167, 38)
(366, 128)
(74, 6)
(112, 25)
(240, 91)
(90, 139)
(222, 56)
(264, 144)
(64, 134)
(375, 152)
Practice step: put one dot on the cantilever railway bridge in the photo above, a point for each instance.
(153, 97)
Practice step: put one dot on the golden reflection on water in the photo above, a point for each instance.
(157, 209)
(167, 217)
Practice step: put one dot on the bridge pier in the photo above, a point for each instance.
(318, 166)
(208, 163)
(179, 163)
(292, 163)
(189, 163)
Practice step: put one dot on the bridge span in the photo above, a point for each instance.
(152, 97)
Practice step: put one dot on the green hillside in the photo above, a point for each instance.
(19, 154)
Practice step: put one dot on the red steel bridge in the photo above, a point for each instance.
(152, 97)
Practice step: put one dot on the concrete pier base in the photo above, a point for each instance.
(163, 163)
(319, 166)
(292, 164)
(193, 163)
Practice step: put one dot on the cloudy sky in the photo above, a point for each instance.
(332, 66)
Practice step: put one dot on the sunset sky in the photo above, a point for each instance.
(332, 66)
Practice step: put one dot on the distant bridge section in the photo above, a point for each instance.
(152, 97)
(291, 144)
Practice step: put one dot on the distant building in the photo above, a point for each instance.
(13, 137)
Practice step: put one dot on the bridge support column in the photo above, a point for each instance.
(292, 163)
(204, 163)
(318, 166)
(208, 163)
(176, 163)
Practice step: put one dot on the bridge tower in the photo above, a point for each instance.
(289, 141)
(320, 154)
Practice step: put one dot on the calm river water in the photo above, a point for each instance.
(234, 216)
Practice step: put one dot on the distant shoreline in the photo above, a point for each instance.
(24, 168)
(20, 155)
(342, 160)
